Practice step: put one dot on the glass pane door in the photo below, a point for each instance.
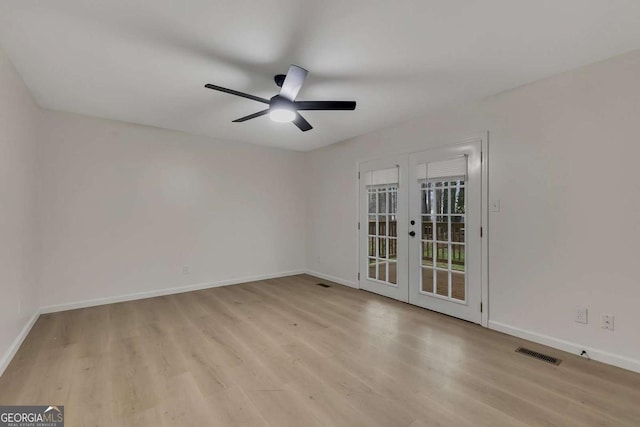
(445, 250)
(383, 227)
(382, 233)
(442, 238)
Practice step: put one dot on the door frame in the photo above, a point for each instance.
(483, 138)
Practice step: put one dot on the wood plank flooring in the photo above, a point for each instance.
(285, 352)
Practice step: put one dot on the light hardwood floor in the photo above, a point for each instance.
(285, 352)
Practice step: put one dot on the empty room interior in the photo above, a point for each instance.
(332, 213)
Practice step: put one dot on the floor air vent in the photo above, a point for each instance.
(323, 285)
(539, 356)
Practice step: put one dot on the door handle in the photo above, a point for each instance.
(412, 233)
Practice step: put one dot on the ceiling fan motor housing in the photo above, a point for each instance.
(281, 103)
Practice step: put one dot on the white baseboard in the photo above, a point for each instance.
(333, 279)
(15, 345)
(570, 347)
(161, 292)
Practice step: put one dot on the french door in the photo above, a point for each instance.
(420, 219)
(383, 227)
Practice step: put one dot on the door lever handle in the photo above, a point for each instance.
(412, 233)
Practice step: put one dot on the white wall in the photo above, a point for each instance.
(18, 239)
(125, 207)
(563, 161)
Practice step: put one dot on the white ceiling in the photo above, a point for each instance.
(146, 61)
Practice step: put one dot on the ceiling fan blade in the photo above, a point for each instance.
(251, 116)
(325, 105)
(302, 124)
(235, 92)
(293, 82)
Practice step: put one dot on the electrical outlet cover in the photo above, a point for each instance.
(582, 315)
(607, 321)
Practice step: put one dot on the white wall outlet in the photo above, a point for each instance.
(582, 315)
(494, 206)
(607, 321)
(186, 269)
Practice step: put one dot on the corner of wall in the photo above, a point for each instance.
(19, 117)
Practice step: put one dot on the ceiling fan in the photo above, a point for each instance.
(283, 107)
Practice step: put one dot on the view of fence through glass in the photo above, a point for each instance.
(382, 232)
(443, 237)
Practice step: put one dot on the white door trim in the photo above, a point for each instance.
(484, 219)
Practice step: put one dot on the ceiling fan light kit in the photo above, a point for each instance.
(282, 115)
(283, 107)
